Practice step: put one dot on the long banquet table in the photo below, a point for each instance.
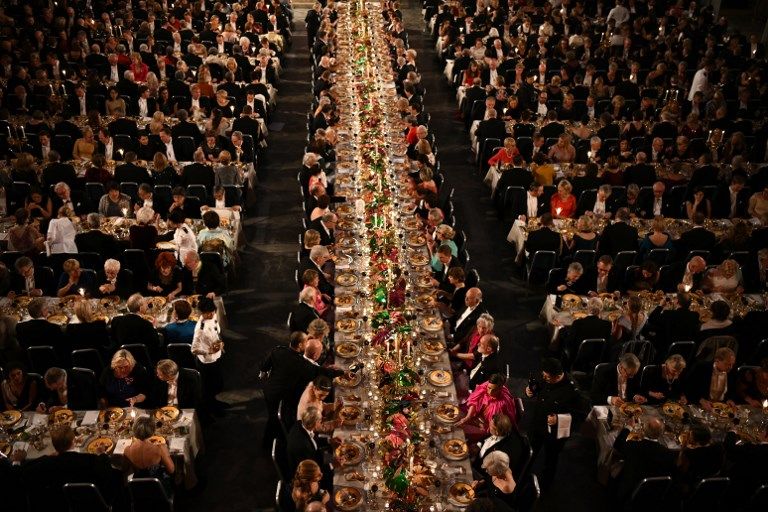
(388, 327)
(184, 438)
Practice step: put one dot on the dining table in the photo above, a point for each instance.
(399, 443)
(107, 431)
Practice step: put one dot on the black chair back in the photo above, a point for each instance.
(148, 494)
(181, 354)
(41, 358)
(88, 358)
(708, 495)
(650, 493)
(541, 263)
(687, 349)
(589, 355)
(85, 394)
(85, 497)
(140, 353)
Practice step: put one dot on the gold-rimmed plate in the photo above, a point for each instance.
(158, 440)
(111, 415)
(349, 414)
(440, 378)
(416, 239)
(167, 246)
(461, 494)
(167, 413)
(455, 449)
(424, 281)
(418, 259)
(412, 224)
(10, 418)
(346, 300)
(193, 300)
(100, 445)
(349, 453)
(58, 319)
(346, 279)
(351, 382)
(447, 413)
(347, 350)
(432, 323)
(62, 416)
(425, 300)
(631, 409)
(673, 409)
(722, 409)
(348, 498)
(347, 325)
(156, 303)
(431, 347)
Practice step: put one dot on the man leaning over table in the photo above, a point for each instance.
(617, 385)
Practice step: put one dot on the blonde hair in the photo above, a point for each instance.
(70, 265)
(307, 472)
(564, 185)
(84, 311)
(168, 367)
(122, 356)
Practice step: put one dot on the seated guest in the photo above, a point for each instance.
(603, 277)
(47, 475)
(97, 172)
(189, 205)
(443, 235)
(67, 390)
(720, 324)
(90, 331)
(642, 459)
(693, 274)
(617, 385)
(125, 383)
(677, 324)
(227, 173)
(725, 278)
(464, 350)
(320, 260)
(710, 382)
(487, 400)
(134, 328)
(112, 281)
(143, 235)
(698, 203)
(631, 323)
(173, 387)
(20, 391)
(166, 279)
(95, 240)
(644, 277)
(504, 438)
(446, 261)
(202, 277)
(563, 203)
(545, 238)
(699, 458)
(618, 236)
(306, 486)
(311, 238)
(130, 172)
(114, 203)
(567, 282)
(311, 279)
(746, 461)
(585, 238)
(658, 204)
(753, 385)
(24, 237)
(605, 203)
(657, 238)
(502, 481)
(147, 459)
(698, 238)
(465, 320)
(181, 329)
(314, 395)
(305, 311)
(588, 327)
(302, 443)
(150, 200)
(221, 201)
(486, 361)
(325, 225)
(318, 341)
(33, 331)
(662, 383)
(72, 281)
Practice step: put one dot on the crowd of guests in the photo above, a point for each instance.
(137, 110)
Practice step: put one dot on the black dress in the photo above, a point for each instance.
(118, 391)
(169, 285)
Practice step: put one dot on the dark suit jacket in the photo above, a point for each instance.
(491, 128)
(589, 280)
(721, 203)
(37, 332)
(746, 464)
(697, 239)
(515, 446)
(485, 368)
(46, 476)
(589, 327)
(57, 172)
(606, 383)
(544, 239)
(188, 129)
(674, 325)
(88, 335)
(96, 241)
(198, 174)
(325, 237)
(668, 209)
(642, 175)
(616, 237)
(461, 330)
(132, 173)
(187, 392)
(324, 286)
(300, 447)
(302, 315)
(209, 279)
(699, 380)
(124, 126)
(43, 281)
(131, 328)
(642, 459)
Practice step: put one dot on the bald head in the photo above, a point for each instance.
(474, 297)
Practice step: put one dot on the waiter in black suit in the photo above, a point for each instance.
(556, 400)
(616, 385)
(287, 373)
(174, 386)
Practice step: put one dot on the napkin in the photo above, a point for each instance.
(187, 416)
(601, 412)
(563, 426)
(176, 444)
(121, 445)
(90, 418)
(39, 419)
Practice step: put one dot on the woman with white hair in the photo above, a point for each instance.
(143, 235)
(503, 484)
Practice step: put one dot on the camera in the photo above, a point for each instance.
(534, 383)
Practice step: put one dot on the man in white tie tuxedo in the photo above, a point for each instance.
(465, 320)
(167, 147)
(486, 361)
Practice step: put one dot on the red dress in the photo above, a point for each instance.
(567, 206)
(502, 157)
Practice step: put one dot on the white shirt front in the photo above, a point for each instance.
(699, 83)
(169, 151)
(173, 390)
(83, 108)
(114, 74)
(489, 441)
(599, 207)
(108, 148)
(533, 205)
(143, 109)
(477, 366)
(464, 315)
(657, 203)
(542, 109)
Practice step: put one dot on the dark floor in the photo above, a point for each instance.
(236, 474)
